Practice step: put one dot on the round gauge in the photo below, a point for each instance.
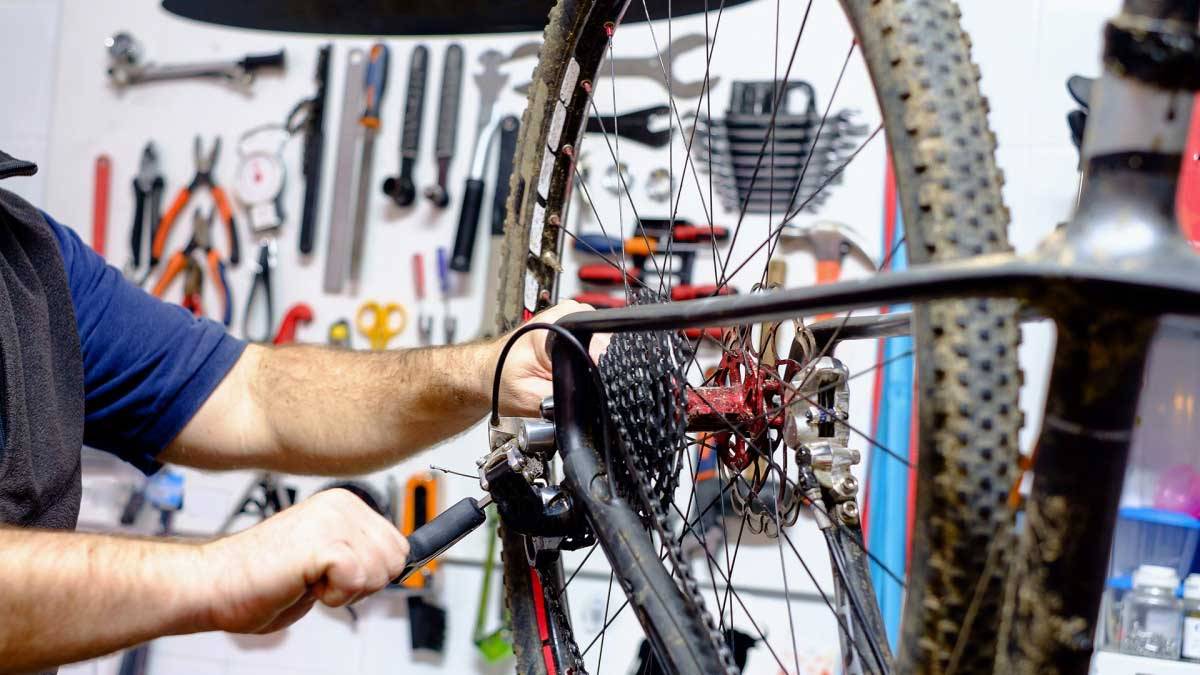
(259, 178)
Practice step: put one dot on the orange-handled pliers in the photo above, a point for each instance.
(203, 178)
(182, 260)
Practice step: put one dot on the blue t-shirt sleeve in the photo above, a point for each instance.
(148, 365)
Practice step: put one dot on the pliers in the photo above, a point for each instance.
(147, 193)
(203, 178)
(183, 260)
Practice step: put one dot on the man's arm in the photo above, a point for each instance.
(69, 596)
(304, 409)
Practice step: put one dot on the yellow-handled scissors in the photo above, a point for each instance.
(381, 322)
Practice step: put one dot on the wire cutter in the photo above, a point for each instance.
(203, 178)
(183, 260)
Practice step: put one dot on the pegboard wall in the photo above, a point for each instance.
(88, 117)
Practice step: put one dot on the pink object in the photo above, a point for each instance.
(1179, 490)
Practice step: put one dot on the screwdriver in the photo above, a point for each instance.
(600, 300)
(683, 230)
(599, 244)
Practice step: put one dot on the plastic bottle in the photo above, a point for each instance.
(1151, 616)
(1191, 618)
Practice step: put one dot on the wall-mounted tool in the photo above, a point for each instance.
(447, 128)
(648, 126)
(101, 184)
(660, 185)
(147, 198)
(449, 323)
(424, 320)
(182, 261)
(339, 334)
(380, 322)
(203, 178)
(314, 151)
(264, 497)
(773, 152)
(401, 188)
(297, 315)
(427, 622)
(126, 65)
(263, 271)
(375, 83)
(648, 67)
(510, 127)
(341, 210)
(830, 242)
(490, 83)
(261, 175)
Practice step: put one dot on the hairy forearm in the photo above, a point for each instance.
(68, 596)
(316, 410)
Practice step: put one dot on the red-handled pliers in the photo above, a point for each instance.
(203, 178)
(182, 260)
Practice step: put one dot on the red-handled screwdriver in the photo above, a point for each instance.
(600, 300)
(689, 292)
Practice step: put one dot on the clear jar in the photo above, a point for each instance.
(1191, 618)
(1151, 615)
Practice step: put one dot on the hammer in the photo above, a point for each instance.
(830, 242)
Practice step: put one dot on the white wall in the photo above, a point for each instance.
(1026, 49)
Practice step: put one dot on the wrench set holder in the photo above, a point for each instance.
(799, 153)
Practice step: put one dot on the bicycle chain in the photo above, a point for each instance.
(645, 382)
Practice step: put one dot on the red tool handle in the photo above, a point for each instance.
(299, 313)
(418, 265)
(691, 292)
(606, 275)
(696, 233)
(600, 300)
(715, 333)
(103, 176)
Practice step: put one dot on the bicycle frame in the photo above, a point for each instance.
(1105, 280)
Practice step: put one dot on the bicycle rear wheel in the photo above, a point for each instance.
(942, 153)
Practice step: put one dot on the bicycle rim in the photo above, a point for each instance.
(942, 153)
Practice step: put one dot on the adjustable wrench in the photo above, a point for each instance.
(650, 67)
(126, 66)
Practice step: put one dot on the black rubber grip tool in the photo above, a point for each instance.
(401, 188)
(434, 537)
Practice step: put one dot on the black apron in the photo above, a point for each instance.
(41, 370)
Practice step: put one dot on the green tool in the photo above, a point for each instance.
(496, 645)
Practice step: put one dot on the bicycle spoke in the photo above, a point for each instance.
(607, 602)
(577, 569)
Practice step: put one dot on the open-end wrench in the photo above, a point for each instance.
(126, 66)
(655, 67)
(490, 82)
(447, 128)
(401, 188)
(650, 126)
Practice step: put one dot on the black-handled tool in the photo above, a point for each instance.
(510, 125)
(447, 128)
(649, 126)
(490, 82)
(401, 188)
(314, 152)
(434, 537)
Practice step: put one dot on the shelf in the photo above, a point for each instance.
(1113, 663)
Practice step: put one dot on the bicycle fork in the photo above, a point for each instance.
(1125, 219)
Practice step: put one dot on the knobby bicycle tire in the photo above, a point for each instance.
(949, 188)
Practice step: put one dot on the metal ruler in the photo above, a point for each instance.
(341, 211)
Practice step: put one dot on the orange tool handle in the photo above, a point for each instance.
(103, 177)
(420, 507)
(640, 246)
(177, 263)
(164, 226)
(226, 211)
(600, 300)
(828, 272)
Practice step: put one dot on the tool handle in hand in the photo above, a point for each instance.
(374, 83)
(253, 62)
(468, 226)
(434, 537)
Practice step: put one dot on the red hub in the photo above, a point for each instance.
(737, 398)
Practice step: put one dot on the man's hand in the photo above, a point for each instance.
(331, 548)
(526, 378)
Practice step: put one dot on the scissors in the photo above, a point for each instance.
(381, 322)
